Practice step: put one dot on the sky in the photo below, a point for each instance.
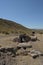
(29, 13)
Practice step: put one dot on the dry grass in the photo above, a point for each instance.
(6, 41)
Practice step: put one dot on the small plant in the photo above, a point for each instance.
(6, 33)
(0, 31)
(12, 31)
(3, 32)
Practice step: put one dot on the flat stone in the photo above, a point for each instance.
(24, 45)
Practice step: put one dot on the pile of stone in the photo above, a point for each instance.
(25, 38)
(8, 51)
(22, 38)
(13, 51)
(22, 48)
(35, 53)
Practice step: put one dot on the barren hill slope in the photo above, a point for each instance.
(12, 27)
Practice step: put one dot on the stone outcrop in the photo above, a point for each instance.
(6, 54)
(25, 38)
(22, 38)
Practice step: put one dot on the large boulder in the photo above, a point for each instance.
(24, 38)
(24, 45)
(33, 38)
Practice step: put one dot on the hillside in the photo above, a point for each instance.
(8, 47)
(12, 27)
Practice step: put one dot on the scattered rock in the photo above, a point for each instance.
(16, 39)
(24, 45)
(35, 53)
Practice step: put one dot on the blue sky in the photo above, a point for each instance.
(26, 12)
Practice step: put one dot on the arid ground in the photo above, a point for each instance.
(7, 41)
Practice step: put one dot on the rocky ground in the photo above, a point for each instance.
(9, 58)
